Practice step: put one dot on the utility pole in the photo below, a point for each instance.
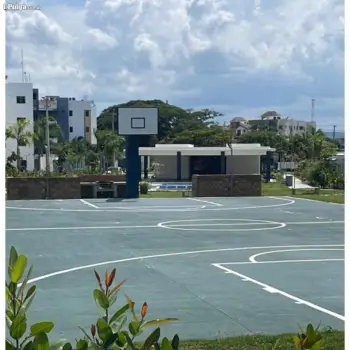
(48, 102)
(313, 109)
(113, 159)
(334, 126)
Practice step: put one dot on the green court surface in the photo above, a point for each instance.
(223, 266)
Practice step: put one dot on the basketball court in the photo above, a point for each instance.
(222, 266)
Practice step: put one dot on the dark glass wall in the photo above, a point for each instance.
(205, 165)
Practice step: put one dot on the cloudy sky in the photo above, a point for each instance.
(239, 57)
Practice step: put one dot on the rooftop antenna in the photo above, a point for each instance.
(22, 64)
(313, 109)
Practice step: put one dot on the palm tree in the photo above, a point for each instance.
(109, 145)
(40, 132)
(22, 135)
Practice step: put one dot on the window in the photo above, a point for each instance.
(23, 164)
(70, 129)
(71, 113)
(35, 96)
(20, 118)
(87, 113)
(87, 129)
(21, 99)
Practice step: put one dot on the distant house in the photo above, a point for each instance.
(271, 121)
(239, 126)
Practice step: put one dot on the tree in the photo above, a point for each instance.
(214, 135)
(173, 120)
(55, 132)
(22, 135)
(109, 145)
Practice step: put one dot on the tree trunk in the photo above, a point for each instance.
(18, 157)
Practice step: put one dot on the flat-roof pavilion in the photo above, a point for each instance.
(178, 159)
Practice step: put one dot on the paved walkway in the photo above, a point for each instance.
(297, 183)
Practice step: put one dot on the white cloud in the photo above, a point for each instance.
(191, 52)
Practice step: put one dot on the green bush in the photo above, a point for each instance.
(110, 332)
(143, 188)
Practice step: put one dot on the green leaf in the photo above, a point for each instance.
(158, 322)
(12, 288)
(24, 283)
(81, 345)
(166, 345)
(130, 343)
(9, 317)
(9, 346)
(103, 330)
(12, 260)
(134, 327)
(317, 346)
(41, 342)
(26, 303)
(18, 268)
(67, 346)
(152, 338)
(41, 327)
(29, 346)
(30, 292)
(61, 344)
(101, 299)
(118, 324)
(296, 340)
(119, 312)
(18, 327)
(7, 294)
(175, 343)
(121, 339)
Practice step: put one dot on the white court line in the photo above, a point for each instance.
(204, 201)
(253, 257)
(222, 208)
(171, 226)
(78, 228)
(148, 207)
(88, 203)
(165, 255)
(315, 222)
(263, 222)
(274, 290)
(312, 200)
(280, 261)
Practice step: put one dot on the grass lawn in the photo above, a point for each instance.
(269, 189)
(333, 340)
(162, 194)
(278, 189)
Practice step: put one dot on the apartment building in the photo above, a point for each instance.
(77, 118)
(19, 105)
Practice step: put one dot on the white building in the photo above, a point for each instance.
(180, 161)
(19, 105)
(82, 119)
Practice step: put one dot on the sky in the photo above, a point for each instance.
(238, 57)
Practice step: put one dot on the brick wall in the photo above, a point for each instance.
(101, 178)
(36, 188)
(226, 185)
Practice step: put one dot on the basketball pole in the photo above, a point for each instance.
(133, 166)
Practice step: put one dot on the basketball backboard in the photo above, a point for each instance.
(137, 121)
